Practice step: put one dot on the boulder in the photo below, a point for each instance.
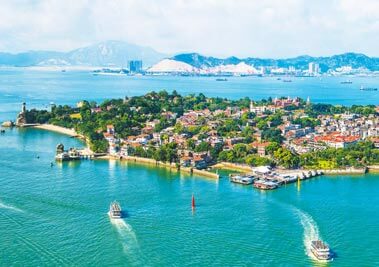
(7, 124)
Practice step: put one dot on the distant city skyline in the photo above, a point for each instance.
(270, 29)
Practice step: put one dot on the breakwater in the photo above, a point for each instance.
(346, 171)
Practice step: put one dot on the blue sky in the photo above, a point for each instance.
(264, 28)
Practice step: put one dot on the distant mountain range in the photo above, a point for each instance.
(117, 54)
(106, 54)
(354, 60)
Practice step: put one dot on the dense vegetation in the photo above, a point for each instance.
(129, 115)
(358, 155)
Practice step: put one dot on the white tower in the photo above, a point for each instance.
(251, 105)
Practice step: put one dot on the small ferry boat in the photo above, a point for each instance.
(265, 185)
(368, 88)
(115, 210)
(321, 250)
(347, 82)
(221, 79)
(242, 179)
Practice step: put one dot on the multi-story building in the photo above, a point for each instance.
(135, 66)
(313, 68)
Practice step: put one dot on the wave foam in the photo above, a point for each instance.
(9, 207)
(311, 231)
(128, 239)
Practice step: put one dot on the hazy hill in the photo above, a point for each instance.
(354, 60)
(109, 53)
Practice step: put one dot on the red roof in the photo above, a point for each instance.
(337, 138)
(258, 144)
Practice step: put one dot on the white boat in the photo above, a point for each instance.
(347, 82)
(321, 250)
(265, 185)
(368, 88)
(242, 179)
(115, 211)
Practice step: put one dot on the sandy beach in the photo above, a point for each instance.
(58, 129)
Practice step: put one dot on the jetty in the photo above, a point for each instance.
(267, 178)
(72, 153)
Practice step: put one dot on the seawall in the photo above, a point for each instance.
(172, 166)
(345, 171)
(232, 167)
(373, 168)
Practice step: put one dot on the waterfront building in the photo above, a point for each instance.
(113, 148)
(313, 68)
(135, 66)
(263, 70)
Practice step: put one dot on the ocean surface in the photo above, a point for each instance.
(40, 88)
(57, 215)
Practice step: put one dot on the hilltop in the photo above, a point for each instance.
(109, 53)
(354, 60)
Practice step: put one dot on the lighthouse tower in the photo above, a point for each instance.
(308, 101)
(251, 105)
(21, 118)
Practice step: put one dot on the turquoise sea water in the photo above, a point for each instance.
(56, 216)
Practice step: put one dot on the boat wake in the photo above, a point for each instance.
(129, 240)
(311, 231)
(9, 207)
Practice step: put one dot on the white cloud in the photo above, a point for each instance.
(270, 28)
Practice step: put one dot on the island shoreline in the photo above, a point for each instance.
(220, 165)
(172, 166)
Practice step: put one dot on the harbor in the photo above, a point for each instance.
(152, 192)
(267, 178)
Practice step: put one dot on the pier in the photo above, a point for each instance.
(266, 178)
(72, 153)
